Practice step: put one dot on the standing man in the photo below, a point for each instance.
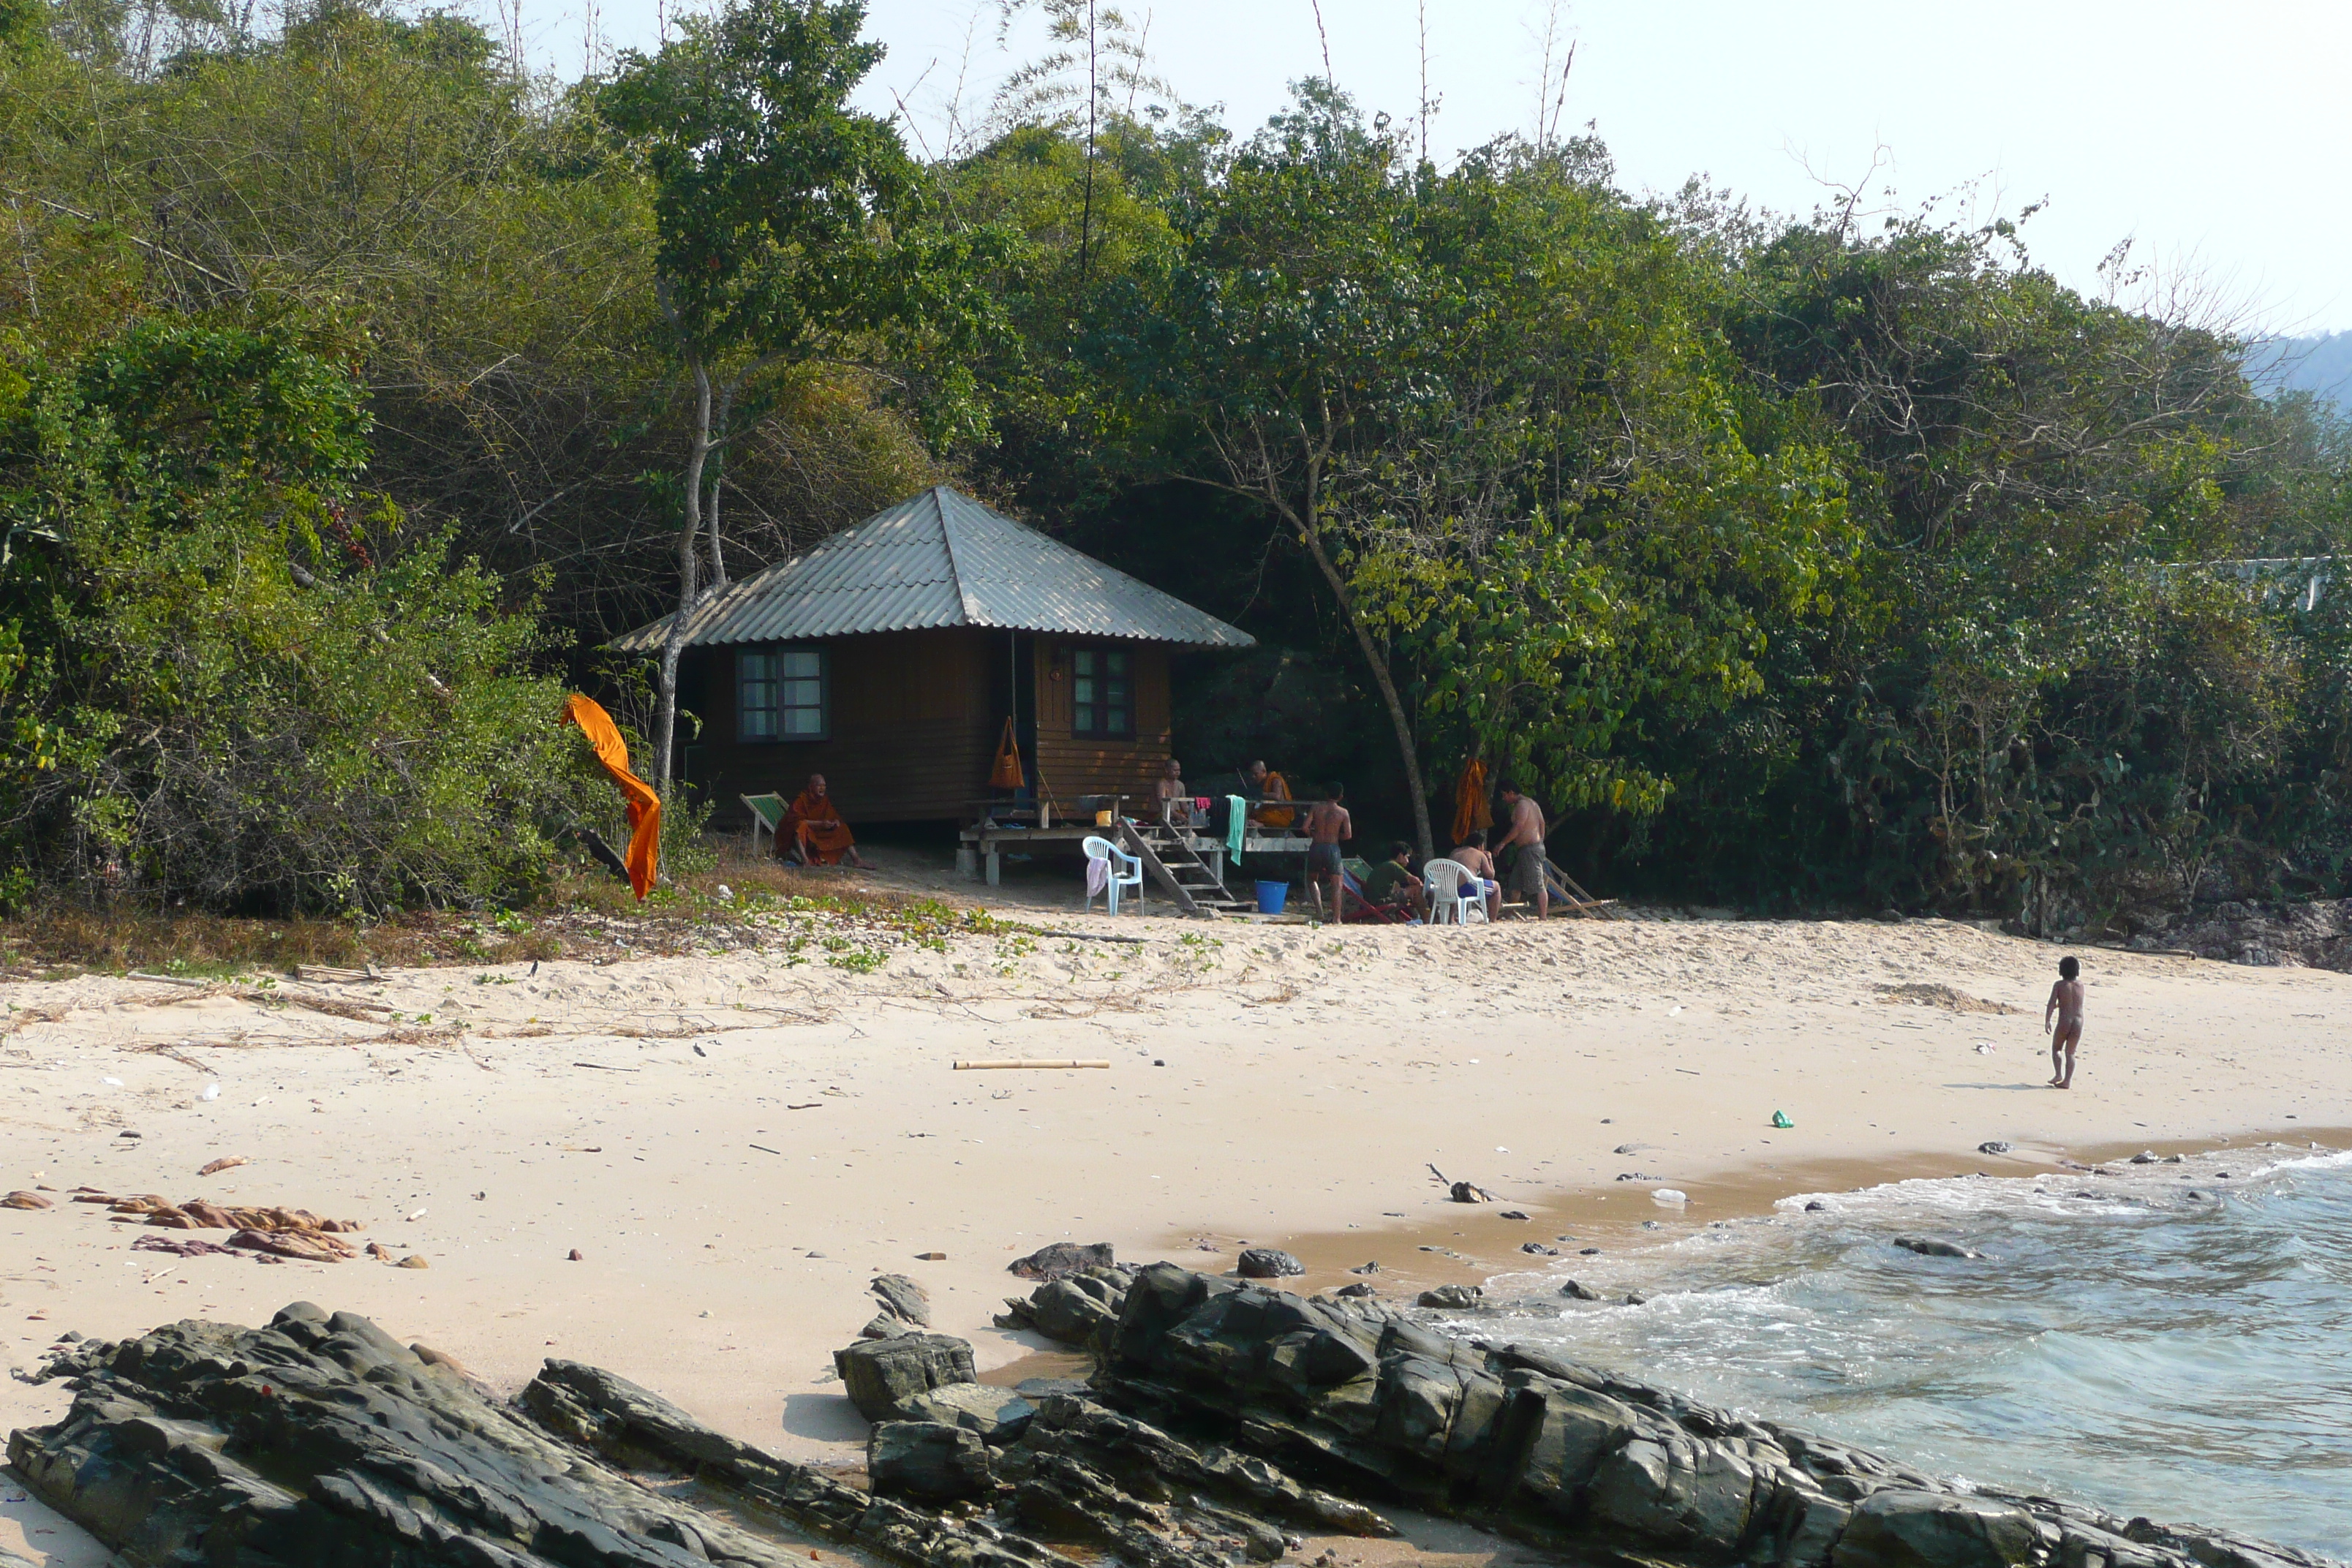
(1327, 824)
(1521, 848)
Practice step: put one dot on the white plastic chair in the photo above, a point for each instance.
(1455, 891)
(1125, 871)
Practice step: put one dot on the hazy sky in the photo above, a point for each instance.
(2217, 137)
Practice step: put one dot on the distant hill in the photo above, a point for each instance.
(2321, 366)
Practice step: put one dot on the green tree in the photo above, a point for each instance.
(793, 232)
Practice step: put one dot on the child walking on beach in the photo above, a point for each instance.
(2066, 1002)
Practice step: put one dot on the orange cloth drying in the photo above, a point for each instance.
(645, 806)
(1471, 811)
(1006, 773)
(818, 829)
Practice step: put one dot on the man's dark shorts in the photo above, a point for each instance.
(1526, 871)
(1323, 860)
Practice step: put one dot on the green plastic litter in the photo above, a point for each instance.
(1780, 1119)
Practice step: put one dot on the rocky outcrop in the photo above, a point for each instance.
(1226, 1421)
(1367, 1402)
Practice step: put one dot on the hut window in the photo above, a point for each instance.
(1102, 691)
(780, 694)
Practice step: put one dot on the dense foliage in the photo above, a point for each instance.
(1792, 563)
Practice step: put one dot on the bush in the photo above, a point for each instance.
(229, 677)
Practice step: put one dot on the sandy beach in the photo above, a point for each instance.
(735, 1143)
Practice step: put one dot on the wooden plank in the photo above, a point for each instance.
(1135, 844)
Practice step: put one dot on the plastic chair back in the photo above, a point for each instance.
(1455, 892)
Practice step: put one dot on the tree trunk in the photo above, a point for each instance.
(689, 545)
(1313, 540)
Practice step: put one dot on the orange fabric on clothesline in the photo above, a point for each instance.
(1471, 811)
(645, 806)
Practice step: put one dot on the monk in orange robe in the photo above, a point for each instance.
(1268, 785)
(818, 832)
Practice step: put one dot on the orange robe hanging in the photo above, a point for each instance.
(817, 829)
(1471, 812)
(645, 806)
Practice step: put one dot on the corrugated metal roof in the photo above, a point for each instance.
(941, 559)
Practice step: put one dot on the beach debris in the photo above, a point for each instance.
(413, 1260)
(1984, 1047)
(903, 1299)
(1588, 1252)
(1935, 1247)
(211, 1091)
(1576, 1292)
(1780, 1119)
(226, 1162)
(1995, 1146)
(2145, 1157)
(24, 1200)
(930, 1258)
(191, 1248)
(1028, 1064)
(1267, 1263)
(1060, 1259)
(1638, 1176)
(1512, 1214)
(303, 1246)
(1669, 1195)
(574, 1256)
(1451, 1297)
(1462, 1192)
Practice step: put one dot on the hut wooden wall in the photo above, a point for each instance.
(912, 729)
(1091, 764)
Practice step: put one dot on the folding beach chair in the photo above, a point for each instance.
(767, 812)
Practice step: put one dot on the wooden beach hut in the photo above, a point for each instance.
(890, 657)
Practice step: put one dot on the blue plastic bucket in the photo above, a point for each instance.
(1271, 896)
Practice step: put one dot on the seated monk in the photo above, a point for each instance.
(1269, 786)
(819, 836)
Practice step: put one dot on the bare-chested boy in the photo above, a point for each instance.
(2066, 1002)
(1472, 852)
(1327, 824)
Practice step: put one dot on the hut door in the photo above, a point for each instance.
(1012, 690)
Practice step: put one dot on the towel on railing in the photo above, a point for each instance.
(1237, 824)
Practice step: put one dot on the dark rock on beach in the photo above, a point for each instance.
(1452, 1298)
(1061, 1258)
(1267, 1263)
(1995, 1146)
(904, 1300)
(1935, 1247)
(883, 1377)
(1576, 1292)
(927, 1462)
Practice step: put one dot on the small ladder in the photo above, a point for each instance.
(1169, 856)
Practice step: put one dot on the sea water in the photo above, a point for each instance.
(2172, 1340)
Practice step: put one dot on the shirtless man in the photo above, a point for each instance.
(1521, 848)
(2066, 1002)
(1472, 852)
(1173, 801)
(1327, 824)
